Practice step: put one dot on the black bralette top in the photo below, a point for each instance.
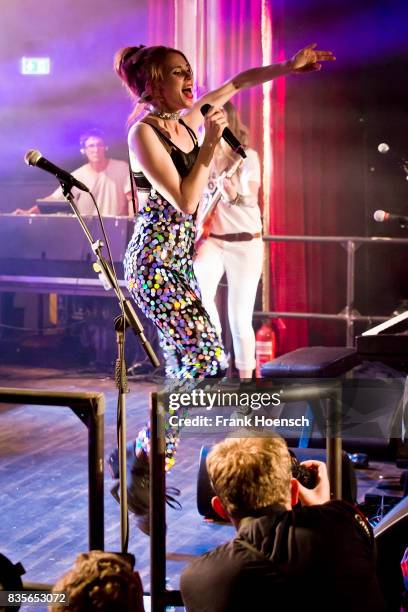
(183, 161)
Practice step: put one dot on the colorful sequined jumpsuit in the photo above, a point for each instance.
(160, 277)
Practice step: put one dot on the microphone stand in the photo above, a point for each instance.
(128, 318)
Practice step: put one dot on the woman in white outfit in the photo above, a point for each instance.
(234, 243)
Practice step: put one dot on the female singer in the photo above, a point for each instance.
(171, 172)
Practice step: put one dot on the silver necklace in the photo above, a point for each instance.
(165, 115)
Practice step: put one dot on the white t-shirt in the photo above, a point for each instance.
(109, 188)
(233, 218)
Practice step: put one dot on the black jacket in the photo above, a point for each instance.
(311, 558)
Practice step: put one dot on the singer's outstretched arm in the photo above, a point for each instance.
(305, 60)
(174, 93)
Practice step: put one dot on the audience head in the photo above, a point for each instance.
(102, 581)
(249, 474)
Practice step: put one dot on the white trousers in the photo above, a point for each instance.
(242, 263)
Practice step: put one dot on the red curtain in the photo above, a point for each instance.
(324, 146)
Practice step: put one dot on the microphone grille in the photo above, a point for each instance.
(380, 215)
(31, 157)
(205, 108)
(383, 147)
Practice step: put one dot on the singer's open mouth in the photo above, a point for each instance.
(188, 92)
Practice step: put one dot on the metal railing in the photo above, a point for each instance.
(89, 407)
(349, 315)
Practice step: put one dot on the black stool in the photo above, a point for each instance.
(318, 364)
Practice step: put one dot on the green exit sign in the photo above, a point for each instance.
(35, 65)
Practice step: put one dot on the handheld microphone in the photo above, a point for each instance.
(227, 135)
(34, 158)
(383, 215)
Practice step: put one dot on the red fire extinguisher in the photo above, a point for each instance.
(265, 345)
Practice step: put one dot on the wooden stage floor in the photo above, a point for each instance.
(43, 481)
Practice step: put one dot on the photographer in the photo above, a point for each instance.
(318, 555)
